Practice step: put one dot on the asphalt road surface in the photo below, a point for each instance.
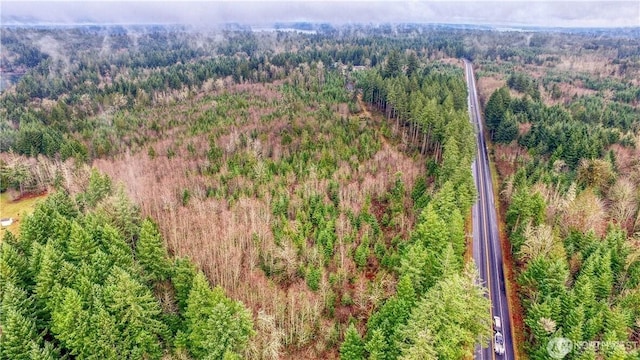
(487, 252)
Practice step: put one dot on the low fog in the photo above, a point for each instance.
(199, 13)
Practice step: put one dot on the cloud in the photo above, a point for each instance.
(202, 13)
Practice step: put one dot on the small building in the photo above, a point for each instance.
(6, 222)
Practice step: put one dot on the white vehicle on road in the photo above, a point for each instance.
(498, 339)
(497, 323)
(498, 343)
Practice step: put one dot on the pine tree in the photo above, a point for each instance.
(455, 312)
(496, 107)
(507, 130)
(60, 202)
(412, 64)
(104, 334)
(46, 352)
(415, 266)
(405, 290)
(215, 325)
(81, 245)
(393, 67)
(69, 321)
(123, 215)
(352, 348)
(13, 267)
(17, 299)
(99, 187)
(151, 252)
(450, 160)
(389, 320)
(118, 250)
(457, 238)
(422, 347)
(137, 315)
(183, 273)
(431, 231)
(18, 331)
(377, 346)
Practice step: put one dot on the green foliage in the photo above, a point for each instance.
(376, 346)
(353, 347)
(454, 313)
(71, 278)
(314, 276)
(139, 326)
(393, 66)
(520, 82)
(99, 187)
(361, 254)
(151, 253)
(496, 109)
(525, 206)
(183, 273)
(507, 130)
(18, 333)
(215, 325)
(34, 138)
(185, 197)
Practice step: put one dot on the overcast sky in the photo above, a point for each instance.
(202, 13)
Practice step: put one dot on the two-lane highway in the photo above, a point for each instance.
(487, 252)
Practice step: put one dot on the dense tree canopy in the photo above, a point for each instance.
(71, 286)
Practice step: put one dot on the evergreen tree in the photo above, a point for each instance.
(13, 267)
(377, 346)
(123, 215)
(18, 331)
(496, 108)
(14, 298)
(405, 290)
(81, 245)
(104, 334)
(215, 325)
(137, 315)
(352, 348)
(431, 231)
(70, 322)
(47, 352)
(412, 64)
(393, 66)
(416, 267)
(47, 276)
(393, 313)
(183, 273)
(117, 249)
(99, 187)
(455, 312)
(422, 347)
(507, 130)
(151, 253)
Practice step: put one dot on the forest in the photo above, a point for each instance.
(268, 195)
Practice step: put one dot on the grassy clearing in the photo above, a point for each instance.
(16, 210)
